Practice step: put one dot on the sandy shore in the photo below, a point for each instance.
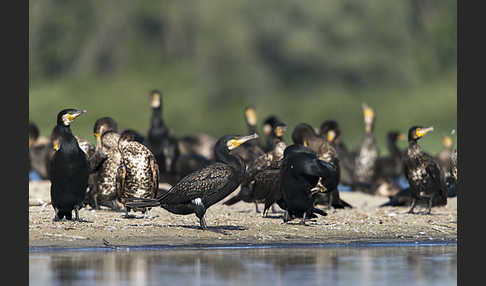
(239, 224)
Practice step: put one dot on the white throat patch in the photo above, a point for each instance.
(197, 201)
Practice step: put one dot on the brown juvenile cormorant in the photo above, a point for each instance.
(199, 190)
(278, 129)
(69, 170)
(261, 179)
(330, 131)
(38, 149)
(444, 158)
(367, 152)
(104, 192)
(299, 173)
(423, 173)
(162, 144)
(305, 135)
(138, 173)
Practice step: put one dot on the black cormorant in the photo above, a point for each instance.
(299, 173)
(390, 168)
(138, 173)
(423, 173)
(367, 152)
(69, 169)
(162, 144)
(199, 190)
(277, 132)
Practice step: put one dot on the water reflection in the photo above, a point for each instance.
(425, 265)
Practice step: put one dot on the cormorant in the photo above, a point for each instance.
(390, 168)
(250, 150)
(199, 190)
(261, 179)
(277, 132)
(423, 172)
(202, 144)
(299, 173)
(305, 135)
(138, 173)
(104, 172)
(330, 131)
(38, 149)
(267, 127)
(444, 159)
(367, 153)
(137, 137)
(69, 169)
(162, 144)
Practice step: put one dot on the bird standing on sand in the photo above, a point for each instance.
(69, 169)
(138, 173)
(199, 190)
(367, 153)
(423, 172)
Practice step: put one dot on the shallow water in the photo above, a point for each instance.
(374, 264)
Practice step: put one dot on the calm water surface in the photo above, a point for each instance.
(372, 265)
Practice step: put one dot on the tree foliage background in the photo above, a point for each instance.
(305, 61)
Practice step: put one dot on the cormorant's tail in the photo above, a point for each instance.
(141, 203)
(233, 200)
(342, 204)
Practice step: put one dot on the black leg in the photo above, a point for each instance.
(256, 208)
(202, 222)
(56, 216)
(414, 202)
(76, 213)
(286, 216)
(302, 222)
(429, 210)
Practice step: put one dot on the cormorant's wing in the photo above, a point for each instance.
(201, 183)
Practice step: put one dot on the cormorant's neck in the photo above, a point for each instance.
(67, 140)
(234, 161)
(393, 148)
(251, 129)
(157, 120)
(413, 148)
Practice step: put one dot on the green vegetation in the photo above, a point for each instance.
(305, 61)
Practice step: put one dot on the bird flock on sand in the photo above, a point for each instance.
(123, 170)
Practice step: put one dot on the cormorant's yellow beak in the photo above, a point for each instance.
(331, 135)
(251, 117)
(447, 141)
(267, 129)
(368, 112)
(233, 143)
(305, 143)
(155, 100)
(401, 136)
(422, 131)
(31, 141)
(55, 145)
(280, 130)
(98, 140)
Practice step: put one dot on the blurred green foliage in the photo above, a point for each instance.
(305, 61)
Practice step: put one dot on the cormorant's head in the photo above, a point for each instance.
(130, 135)
(447, 142)
(417, 132)
(394, 136)
(369, 117)
(250, 116)
(330, 129)
(268, 124)
(102, 125)
(279, 129)
(302, 133)
(231, 142)
(55, 137)
(155, 98)
(33, 133)
(67, 116)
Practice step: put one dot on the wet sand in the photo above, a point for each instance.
(239, 224)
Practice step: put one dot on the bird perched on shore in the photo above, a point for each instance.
(39, 147)
(69, 169)
(261, 179)
(330, 131)
(138, 173)
(162, 144)
(199, 190)
(278, 129)
(305, 135)
(423, 172)
(105, 130)
(367, 152)
(299, 173)
(444, 158)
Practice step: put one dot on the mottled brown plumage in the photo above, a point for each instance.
(138, 173)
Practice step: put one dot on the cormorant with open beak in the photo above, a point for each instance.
(199, 190)
(69, 169)
(423, 172)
